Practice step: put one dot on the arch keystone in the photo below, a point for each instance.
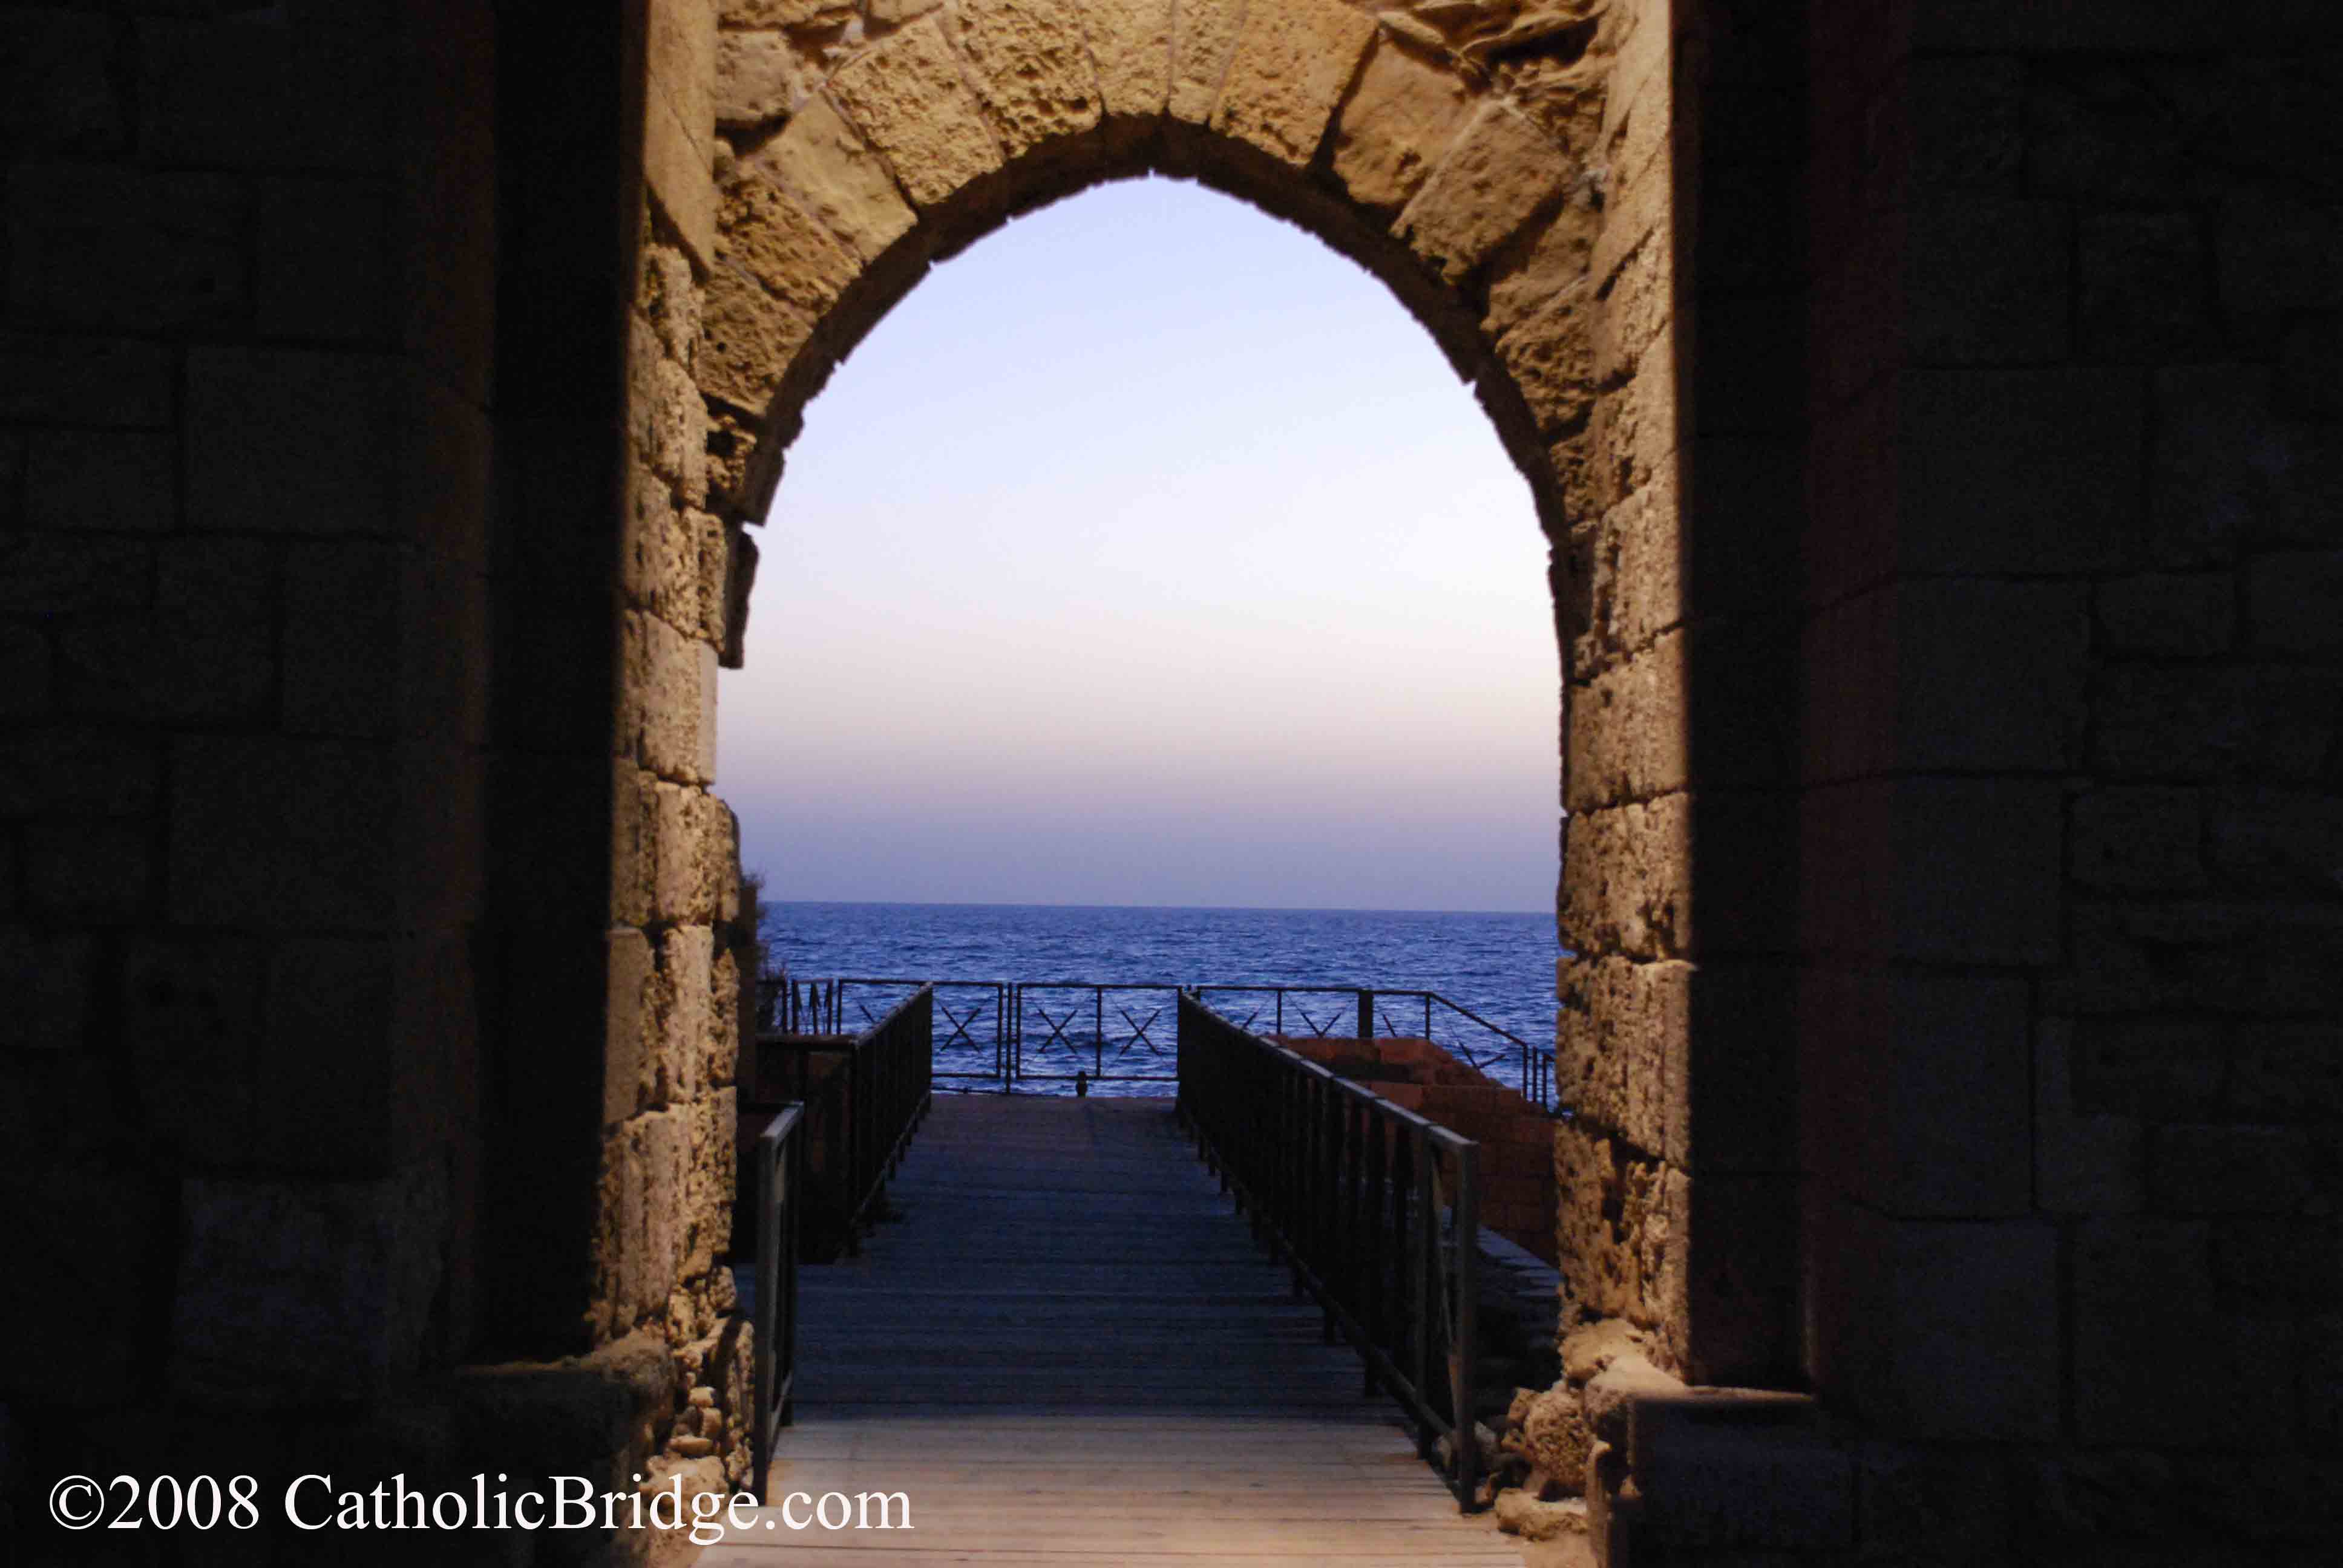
(1290, 67)
(1130, 44)
(907, 95)
(1203, 39)
(1031, 66)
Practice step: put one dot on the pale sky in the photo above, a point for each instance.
(1149, 553)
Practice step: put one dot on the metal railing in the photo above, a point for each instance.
(862, 1098)
(1376, 1210)
(779, 1166)
(1117, 1032)
(1355, 1011)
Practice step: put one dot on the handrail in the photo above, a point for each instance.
(1534, 1066)
(1350, 1190)
(1122, 1048)
(862, 1114)
(779, 1166)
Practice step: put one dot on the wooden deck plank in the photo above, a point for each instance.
(1065, 1347)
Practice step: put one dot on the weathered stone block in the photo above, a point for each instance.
(678, 172)
(1967, 120)
(758, 79)
(331, 1083)
(1941, 1092)
(766, 234)
(680, 57)
(94, 1230)
(1620, 1033)
(1978, 862)
(229, 94)
(2171, 25)
(820, 159)
(2294, 601)
(87, 381)
(2276, 841)
(2162, 613)
(2270, 725)
(2275, 258)
(1986, 281)
(1501, 172)
(1965, 1318)
(287, 441)
(323, 260)
(78, 768)
(1131, 41)
(2020, 470)
(126, 248)
(1203, 40)
(342, 639)
(670, 683)
(2229, 473)
(295, 1294)
(1550, 357)
(27, 688)
(281, 835)
(686, 965)
(1626, 882)
(2155, 1363)
(84, 869)
(1621, 1237)
(115, 481)
(2141, 288)
(1289, 70)
(1713, 1476)
(907, 95)
(206, 651)
(628, 1064)
(2207, 1168)
(783, 13)
(1395, 127)
(57, 91)
(1031, 66)
(747, 342)
(1990, 673)
(2084, 1162)
(1629, 733)
(2156, 1071)
(51, 977)
(2140, 838)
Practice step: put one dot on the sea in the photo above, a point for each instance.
(1497, 968)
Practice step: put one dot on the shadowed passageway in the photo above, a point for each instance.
(1067, 1347)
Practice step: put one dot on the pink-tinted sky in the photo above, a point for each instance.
(1149, 553)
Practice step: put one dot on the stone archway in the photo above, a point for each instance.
(1508, 171)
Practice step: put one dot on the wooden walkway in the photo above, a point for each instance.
(1068, 1349)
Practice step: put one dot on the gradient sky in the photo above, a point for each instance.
(1149, 553)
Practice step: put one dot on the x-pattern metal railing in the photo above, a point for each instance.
(1086, 1032)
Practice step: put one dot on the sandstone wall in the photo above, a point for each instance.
(243, 460)
(2070, 759)
(309, 525)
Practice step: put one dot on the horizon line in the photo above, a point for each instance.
(1195, 908)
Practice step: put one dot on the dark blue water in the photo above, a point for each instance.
(1500, 966)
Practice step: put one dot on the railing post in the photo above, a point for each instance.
(1367, 1013)
(1466, 1249)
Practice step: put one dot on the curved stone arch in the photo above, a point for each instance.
(1509, 169)
(1401, 150)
